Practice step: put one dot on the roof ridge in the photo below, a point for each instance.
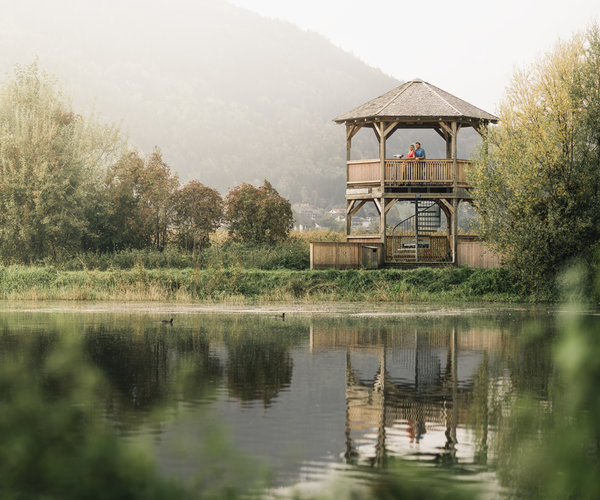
(405, 85)
(429, 87)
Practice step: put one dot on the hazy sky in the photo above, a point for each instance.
(467, 47)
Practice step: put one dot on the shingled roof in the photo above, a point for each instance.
(417, 101)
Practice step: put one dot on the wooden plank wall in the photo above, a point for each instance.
(474, 253)
(340, 254)
(348, 255)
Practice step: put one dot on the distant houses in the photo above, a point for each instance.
(307, 217)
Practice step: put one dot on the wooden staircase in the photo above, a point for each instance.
(425, 221)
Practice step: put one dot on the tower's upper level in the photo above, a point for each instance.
(412, 105)
(417, 103)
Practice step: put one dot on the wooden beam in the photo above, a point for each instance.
(349, 205)
(357, 207)
(447, 128)
(389, 204)
(351, 131)
(440, 133)
(377, 131)
(481, 129)
(448, 206)
(377, 205)
(387, 131)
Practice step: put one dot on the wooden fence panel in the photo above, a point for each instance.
(474, 253)
(344, 255)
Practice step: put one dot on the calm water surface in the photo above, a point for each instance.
(322, 392)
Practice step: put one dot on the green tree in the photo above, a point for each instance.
(198, 212)
(51, 161)
(127, 223)
(537, 174)
(158, 188)
(258, 214)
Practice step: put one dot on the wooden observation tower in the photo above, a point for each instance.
(432, 184)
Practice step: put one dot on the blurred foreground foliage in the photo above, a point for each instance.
(56, 444)
(551, 449)
(53, 445)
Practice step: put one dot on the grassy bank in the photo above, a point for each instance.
(253, 285)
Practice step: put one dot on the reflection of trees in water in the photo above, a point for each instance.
(146, 369)
(258, 369)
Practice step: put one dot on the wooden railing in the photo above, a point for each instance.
(406, 172)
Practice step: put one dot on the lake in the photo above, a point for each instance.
(229, 394)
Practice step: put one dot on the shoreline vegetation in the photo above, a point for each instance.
(228, 272)
(239, 285)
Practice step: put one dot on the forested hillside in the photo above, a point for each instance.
(227, 95)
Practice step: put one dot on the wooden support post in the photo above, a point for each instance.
(381, 129)
(445, 132)
(350, 131)
(455, 202)
(382, 152)
(382, 219)
(454, 156)
(416, 231)
(349, 206)
(348, 149)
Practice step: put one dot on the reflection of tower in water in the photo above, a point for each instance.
(402, 390)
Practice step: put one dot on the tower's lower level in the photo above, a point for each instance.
(432, 186)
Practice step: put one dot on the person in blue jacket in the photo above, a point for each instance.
(419, 152)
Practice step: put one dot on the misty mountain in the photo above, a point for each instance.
(229, 96)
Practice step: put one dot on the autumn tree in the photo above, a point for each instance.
(537, 173)
(198, 212)
(51, 160)
(142, 196)
(257, 214)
